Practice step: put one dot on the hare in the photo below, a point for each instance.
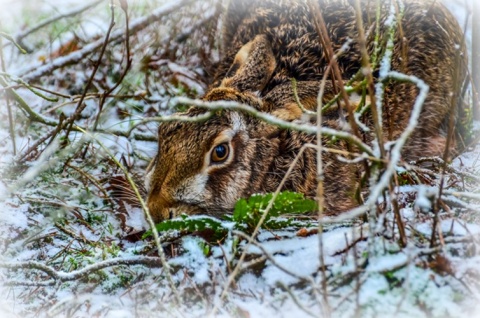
(205, 167)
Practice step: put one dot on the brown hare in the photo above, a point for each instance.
(205, 167)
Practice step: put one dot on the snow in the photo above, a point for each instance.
(470, 161)
(55, 217)
(193, 259)
(423, 198)
(456, 227)
(136, 218)
(387, 263)
(17, 219)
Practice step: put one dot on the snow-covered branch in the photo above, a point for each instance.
(60, 276)
(273, 120)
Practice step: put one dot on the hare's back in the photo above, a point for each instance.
(432, 37)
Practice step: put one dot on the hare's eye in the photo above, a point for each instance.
(220, 153)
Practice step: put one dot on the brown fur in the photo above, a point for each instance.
(266, 43)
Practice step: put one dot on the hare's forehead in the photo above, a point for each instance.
(237, 122)
(193, 137)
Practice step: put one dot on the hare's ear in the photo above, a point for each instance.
(252, 67)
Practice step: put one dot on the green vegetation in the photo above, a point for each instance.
(246, 216)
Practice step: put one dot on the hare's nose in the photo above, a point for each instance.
(160, 206)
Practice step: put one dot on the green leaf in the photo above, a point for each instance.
(247, 213)
(190, 225)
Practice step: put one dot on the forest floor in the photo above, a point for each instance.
(71, 230)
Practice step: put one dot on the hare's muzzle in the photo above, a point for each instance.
(160, 207)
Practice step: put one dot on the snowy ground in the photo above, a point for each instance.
(62, 215)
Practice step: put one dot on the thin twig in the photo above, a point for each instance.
(124, 7)
(51, 135)
(297, 99)
(12, 40)
(450, 135)
(320, 194)
(368, 72)
(321, 29)
(296, 300)
(32, 115)
(81, 106)
(20, 36)
(29, 87)
(448, 168)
